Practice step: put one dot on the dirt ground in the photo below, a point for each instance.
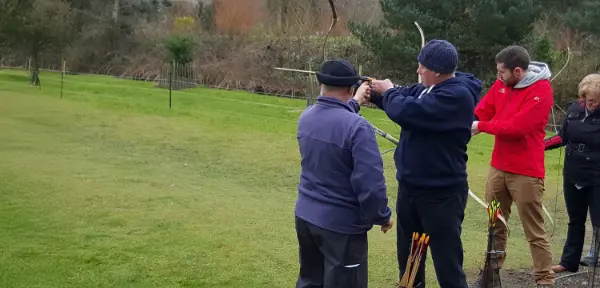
(524, 279)
(579, 280)
(514, 279)
(517, 278)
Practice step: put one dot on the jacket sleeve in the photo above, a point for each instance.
(436, 111)
(560, 139)
(368, 180)
(533, 113)
(553, 142)
(378, 99)
(486, 109)
(354, 105)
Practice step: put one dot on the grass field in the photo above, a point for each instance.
(107, 187)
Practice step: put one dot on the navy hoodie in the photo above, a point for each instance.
(342, 186)
(436, 129)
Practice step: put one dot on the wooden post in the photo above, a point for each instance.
(62, 78)
(308, 88)
(171, 82)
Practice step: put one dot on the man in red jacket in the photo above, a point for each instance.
(516, 110)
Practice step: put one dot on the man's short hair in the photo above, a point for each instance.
(514, 56)
(336, 88)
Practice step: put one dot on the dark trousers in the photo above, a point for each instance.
(329, 259)
(439, 214)
(578, 202)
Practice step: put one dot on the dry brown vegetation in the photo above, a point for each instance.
(239, 42)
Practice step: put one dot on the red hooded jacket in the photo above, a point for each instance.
(517, 117)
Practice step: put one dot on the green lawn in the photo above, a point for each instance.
(107, 187)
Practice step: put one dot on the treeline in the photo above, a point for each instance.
(242, 41)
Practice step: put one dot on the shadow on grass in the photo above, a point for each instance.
(17, 78)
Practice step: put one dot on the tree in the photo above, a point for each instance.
(478, 28)
(181, 42)
(35, 26)
(585, 17)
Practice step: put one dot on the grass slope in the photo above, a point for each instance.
(107, 187)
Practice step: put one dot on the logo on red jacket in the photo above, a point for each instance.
(502, 90)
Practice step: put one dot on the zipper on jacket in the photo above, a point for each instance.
(586, 114)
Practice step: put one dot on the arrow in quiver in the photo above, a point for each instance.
(418, 248)
(489, 276)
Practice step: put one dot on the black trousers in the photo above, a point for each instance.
(439, 214)
(578, 202)
(329, 259)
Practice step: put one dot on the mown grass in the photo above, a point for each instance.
(107, 187)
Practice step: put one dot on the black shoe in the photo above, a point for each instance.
(587, 261)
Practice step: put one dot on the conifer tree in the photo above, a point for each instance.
(585, 17)
(478, 28)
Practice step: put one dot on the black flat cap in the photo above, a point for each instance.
(338, 73)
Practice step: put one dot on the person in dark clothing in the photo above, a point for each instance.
(342, 190)
(580, 134)
(431, 159)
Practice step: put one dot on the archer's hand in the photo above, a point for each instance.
(388, 226)
(475, 128)
(363, 93)
(381, 86)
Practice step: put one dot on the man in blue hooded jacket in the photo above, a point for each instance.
(431, 158)
(342, 191)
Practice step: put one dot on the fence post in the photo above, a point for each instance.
(171, 81)
(62, 78)
(309, 89)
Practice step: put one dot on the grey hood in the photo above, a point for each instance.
(537, 71)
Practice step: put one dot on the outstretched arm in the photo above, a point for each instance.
(367, 178)
(436, 111)
(486, 109)
(378, 99)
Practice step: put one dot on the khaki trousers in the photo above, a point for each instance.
(527, 193)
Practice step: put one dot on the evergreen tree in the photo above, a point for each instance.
(478, 29)
(585, 17)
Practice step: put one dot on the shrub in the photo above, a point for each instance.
(181, 48)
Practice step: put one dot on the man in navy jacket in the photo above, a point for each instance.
(342, 190)
(431, 159)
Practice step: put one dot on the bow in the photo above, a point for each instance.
(558, 193)
(422, 43)
(333, 22)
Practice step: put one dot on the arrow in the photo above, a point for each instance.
(295, 70)
(500, 217)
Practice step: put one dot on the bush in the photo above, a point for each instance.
(181, 48)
